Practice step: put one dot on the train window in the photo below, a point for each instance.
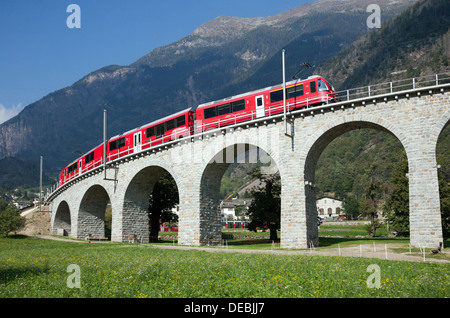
(73, 167)
(276, 96)
(112, 146)
(170, 124)
(116, 144)
(89, 158)
(160, 130)
(238, 105)
(224, 109)
(294, 91)
(259, 101)
(181, 121)
(210, 112)
(312, 87)
(151, 132)
(322, 85)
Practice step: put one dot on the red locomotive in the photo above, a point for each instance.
(264, 102)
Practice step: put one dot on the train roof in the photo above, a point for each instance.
(256, 91)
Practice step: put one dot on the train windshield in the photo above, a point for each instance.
(322, 85)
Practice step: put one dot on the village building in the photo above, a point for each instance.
(234, 209)
(329, 208)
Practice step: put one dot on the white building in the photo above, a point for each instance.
(228, 208)
(329, 207)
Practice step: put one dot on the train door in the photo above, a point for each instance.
(80, 169)
(259, 105)
(137, 141)
(192, 123)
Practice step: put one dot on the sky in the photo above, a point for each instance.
(40, 53)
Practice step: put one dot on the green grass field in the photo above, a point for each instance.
(32, 267)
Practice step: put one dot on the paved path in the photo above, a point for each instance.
(365, 250)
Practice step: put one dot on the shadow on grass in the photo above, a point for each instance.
(14, 236)
(10, 274)
(242, 242)
(334, 241)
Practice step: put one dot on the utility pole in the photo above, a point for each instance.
(40, 188)
(284, 90)
(104, 142)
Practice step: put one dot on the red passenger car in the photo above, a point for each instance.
(68, 173)
(163, 130)
(265, 102)
(92, 159)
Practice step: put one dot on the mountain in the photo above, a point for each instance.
(225, 56)
(416, 43)
(16, 172)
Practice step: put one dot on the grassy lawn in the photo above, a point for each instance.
(32, 267)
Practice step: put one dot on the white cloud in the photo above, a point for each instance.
(8, 113)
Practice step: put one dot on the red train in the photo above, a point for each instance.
(315, 90)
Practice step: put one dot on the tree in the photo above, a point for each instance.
(162, 200)
(351, 207)
(265, 210)
(10, 219)
(396, 208)
(370, 205)
(444, 190)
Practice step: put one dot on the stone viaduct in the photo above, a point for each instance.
(415, 116)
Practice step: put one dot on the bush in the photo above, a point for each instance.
(10, 219)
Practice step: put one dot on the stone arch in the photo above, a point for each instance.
(91, 215)
(239, 151)
(135, 221)
(314, 147)
(62, 223)
(441, 162)
(439, 127)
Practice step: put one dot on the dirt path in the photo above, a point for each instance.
(380, 251)
(365, 251)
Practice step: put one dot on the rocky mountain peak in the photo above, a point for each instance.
(226, 27)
